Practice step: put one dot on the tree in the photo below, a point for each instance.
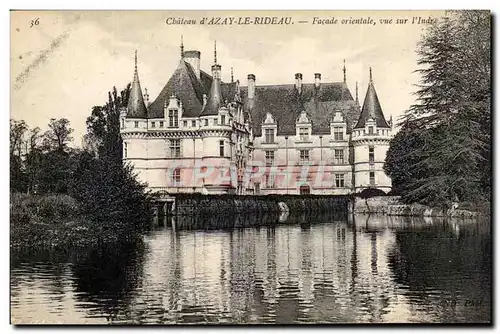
(17, 174)
(106, 189)
(449, 128)
(403, 156)
(58, 136)
(103, 126)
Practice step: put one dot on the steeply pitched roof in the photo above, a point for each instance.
(136, 107)
(184, 84)
(371, 109)
(285, 103)
(214, 100)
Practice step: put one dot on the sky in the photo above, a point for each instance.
(66, 61)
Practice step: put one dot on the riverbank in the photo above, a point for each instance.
(391, 206)
(55, 221)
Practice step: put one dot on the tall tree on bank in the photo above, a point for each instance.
(107, 190)
(452, 116)
(103, 126)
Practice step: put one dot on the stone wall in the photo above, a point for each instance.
(197, 204)
(391, 206)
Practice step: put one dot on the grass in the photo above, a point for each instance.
(54, 221)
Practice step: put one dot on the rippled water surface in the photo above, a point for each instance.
(315, 270)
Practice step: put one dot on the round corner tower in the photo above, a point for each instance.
(370, 138)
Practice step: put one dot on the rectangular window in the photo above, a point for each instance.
(173, 118)
(370, 130)
(176, 177)
(304, 134)
(136, 124)
(193, 124)
(339, 181)
(125, 150)
(270, 180)
(338, 133)
(371, 154)
(269, 157)
(153, 124)
(161, 124)
(269, 136)
(339, 156)
(185, 124)
(221, 148)
(304, 155)
(175, 148)
(206, 122)
(216, 121)
(123, 123)
(223, 119)
(257, 188)
(372, 178)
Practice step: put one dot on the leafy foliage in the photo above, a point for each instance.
(107, 192)
(443, 152)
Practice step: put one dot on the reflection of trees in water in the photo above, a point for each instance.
(46, 265)
(107, 276)
(450, 258)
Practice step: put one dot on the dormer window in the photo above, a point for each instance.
(304, 134)
(173, 118)
(269, 136)
(338, 133)
(370, 130)
(206, 122)
(223, 119)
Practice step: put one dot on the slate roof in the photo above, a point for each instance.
(285, 103)
(371, 109)
(186, 86)
(135, 106)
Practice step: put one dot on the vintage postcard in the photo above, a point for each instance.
(250, 167)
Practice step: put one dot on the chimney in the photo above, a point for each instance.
(193, 58)
(317, 79)
(298, 82)
(251, 86)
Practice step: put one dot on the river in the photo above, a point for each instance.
(331, 269)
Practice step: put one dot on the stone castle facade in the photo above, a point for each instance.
(205, 135)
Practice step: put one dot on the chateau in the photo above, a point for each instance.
(205, 135)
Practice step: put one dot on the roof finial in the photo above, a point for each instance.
(146, 97)
(232, 76)
(182, 47)
(344, 72)
(357, 99)
(135, 62)
(215, 52)
(371, 78)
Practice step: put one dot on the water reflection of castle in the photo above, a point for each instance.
(324, 272)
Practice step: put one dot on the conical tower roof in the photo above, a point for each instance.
(214, 100)
(136, 107)
(371, 108)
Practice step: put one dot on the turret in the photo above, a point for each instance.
(370, 138)
(136, 107)
(214, 101)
